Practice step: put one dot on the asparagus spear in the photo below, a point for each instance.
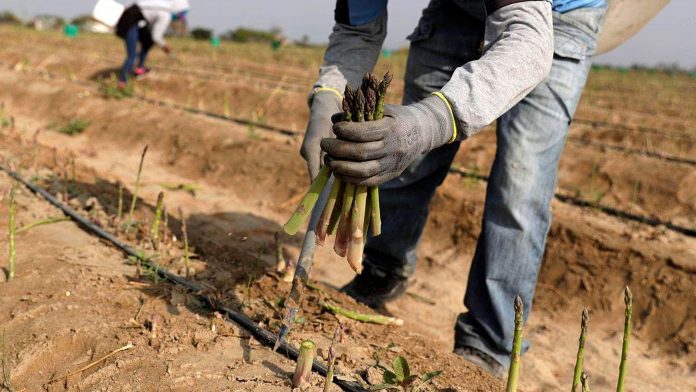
(331, 358)
(581, 349)
(374, 191)
(347, 104)
(585, 380)
(129, 222)
(365, 318)
(343, 234)
(337, 210)
(155, 226)
(307, 204)
(381, 93)
(357, 223)
(628, 300)
(303, 370)
(514, 371)
(325, 219)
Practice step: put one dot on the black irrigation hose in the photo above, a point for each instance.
(265, 337)
(675, 134)
(605, 209)
(627, 150)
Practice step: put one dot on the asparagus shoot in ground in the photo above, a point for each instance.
(585, 381)
(303, 369)
(129, 222)
(628, 300)
(155, 226)
(515, 356)
(581, 350)
(281, 264)
(331, 357)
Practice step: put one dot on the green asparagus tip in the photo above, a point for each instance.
(585, 318)
(628, 297)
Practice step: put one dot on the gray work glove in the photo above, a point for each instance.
(324, 104)
(374, 152)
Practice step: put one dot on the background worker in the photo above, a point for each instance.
(523, 62)
(145, 22)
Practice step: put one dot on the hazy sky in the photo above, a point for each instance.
(669, 38)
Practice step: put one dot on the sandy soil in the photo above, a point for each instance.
(246, 186)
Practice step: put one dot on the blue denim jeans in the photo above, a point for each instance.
(133, 36)
(530, 140)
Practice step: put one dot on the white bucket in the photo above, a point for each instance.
(108, 12)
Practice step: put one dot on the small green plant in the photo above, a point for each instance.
(110, 89)
(5, 382)
(74, 127)
(140, 258)
(400, 377)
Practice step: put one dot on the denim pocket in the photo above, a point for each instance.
(575, 32)
(422, 32)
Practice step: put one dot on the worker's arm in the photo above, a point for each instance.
(159, 21)
(517, 56)
(518, 51)
(354, 47)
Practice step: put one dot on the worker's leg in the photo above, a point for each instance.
(146, 44)
(132, 52)
(517, 214)
(445, 39)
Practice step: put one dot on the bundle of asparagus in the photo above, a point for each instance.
(347, 213)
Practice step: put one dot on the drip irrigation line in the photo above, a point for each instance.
(262, 335)
(627, 150)
(639, 128)
(605, 209)
(217, 116)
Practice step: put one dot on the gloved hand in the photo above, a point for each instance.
(374, 152)
(324, 105)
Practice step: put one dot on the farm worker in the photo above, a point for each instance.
(146, 21)
(522, 62)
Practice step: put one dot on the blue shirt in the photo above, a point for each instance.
(359, 12)
(563, 6)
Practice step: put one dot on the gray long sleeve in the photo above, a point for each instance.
(518, 51)
(352, 51)
(159, 20)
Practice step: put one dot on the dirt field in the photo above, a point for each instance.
(76, 299)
